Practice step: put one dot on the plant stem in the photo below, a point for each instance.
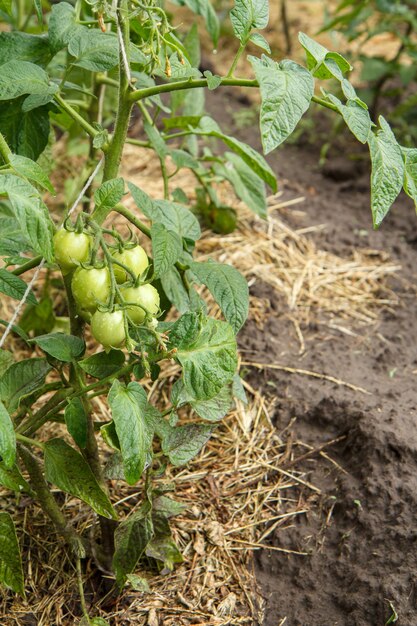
(325, 104)
(140, 94)
(138, 142)
(147, 92)
(30, 442)
(160, 154)
(122, 210)
(76, 116)
(27, 266)
(60, 400)
(76, 323)
(236, 60)
(114, 153)
(39, 418)
(48, 502)
(81, 589)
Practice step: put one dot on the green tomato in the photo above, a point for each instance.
(71, 249)
(109, 329)
(89, 287)
(134, 258)
(145, 295)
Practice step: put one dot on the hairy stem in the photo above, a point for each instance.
(122, 210)
(75, 116)
(114, 153)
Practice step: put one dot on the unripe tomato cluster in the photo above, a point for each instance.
(93, 287)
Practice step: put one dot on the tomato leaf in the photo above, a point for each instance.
(68, 470)
(26, 132)
(205, 126)
(387, 175)
(166, 248)
(212, 410)
(24, 47)
(173, 216)
(168, 507)
(183, 443)
(14, 286)
(133, 427)
(12, 479)
(103, 364)
(173, 286)
(228, 287)
(6, 360)
(260, 41)
(21, 379)
(6, 6)
(108, 195)
(11, 572)
(286, 91)
(322, 63)
(40, 317)
(32, 214)
(131, 538)
(410, 173)
(206, 349)
(7, 438)
(247, 15)
(94, 50)
(21, 77)
(162, 547)
(32, 171)
(357, 118)
(246, 183)
(76, 421)
(63, 347)
(62, 25)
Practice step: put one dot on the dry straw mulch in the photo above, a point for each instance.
(245, 487)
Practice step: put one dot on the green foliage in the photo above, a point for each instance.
(21, 379)
(133, 427)
(388, 82)
(60, 346)
(7, 438)
(11, 573)
(14, 286)
(67, 75)
(68, 470)
(76, 420)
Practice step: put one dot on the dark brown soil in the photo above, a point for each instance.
(362, 534)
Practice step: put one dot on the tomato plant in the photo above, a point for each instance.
(81, 68)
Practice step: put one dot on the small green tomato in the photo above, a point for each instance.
(145, 295)
(71, 249)
(109, 329)
(89, 287)
(134, 258)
